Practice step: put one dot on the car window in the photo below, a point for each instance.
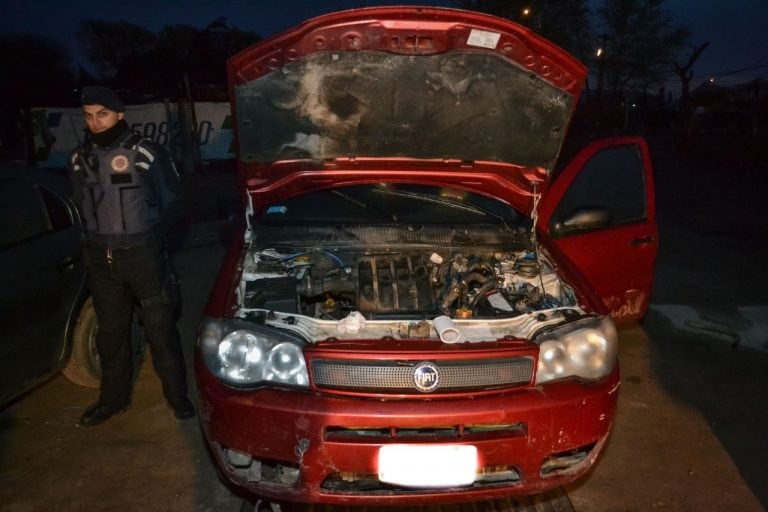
(24, 212)
(59, 213)
(612, 180)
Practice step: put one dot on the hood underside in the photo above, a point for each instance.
(404, 82)
(462, 105)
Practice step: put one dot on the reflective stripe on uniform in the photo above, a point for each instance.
(144, 151)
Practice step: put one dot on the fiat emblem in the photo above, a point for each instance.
(426, 377)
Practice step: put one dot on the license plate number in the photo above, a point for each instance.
(427, 466)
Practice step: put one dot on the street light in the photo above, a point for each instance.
(599, 52)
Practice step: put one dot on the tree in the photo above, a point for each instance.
(640, 40)
(160, 65)
(168, 61)
(114, 46)
(685, 73)
(564, 23)
(37, 71)
(213, 46)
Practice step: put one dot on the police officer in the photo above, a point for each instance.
(126, 188)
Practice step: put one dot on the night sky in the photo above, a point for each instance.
(738, 49)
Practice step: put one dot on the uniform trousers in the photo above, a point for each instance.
(124, 279)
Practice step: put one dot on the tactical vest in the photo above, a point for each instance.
(116, 188)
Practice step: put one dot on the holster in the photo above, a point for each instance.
(172, 286)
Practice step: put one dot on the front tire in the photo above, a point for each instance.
(83, 367)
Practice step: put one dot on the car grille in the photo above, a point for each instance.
(399, 376)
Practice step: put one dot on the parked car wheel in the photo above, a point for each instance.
(84, 368)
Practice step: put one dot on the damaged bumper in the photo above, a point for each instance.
(299, 445)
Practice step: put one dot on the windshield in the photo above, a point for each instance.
(463, 105)
(402, 205)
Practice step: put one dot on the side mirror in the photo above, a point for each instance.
(582, 219)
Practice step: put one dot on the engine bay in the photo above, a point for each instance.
(399, 284)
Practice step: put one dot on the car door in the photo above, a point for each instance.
(41, 280)
(600, 212)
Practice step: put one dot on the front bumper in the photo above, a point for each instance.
(297, 445)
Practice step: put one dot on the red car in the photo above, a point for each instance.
(413, 313)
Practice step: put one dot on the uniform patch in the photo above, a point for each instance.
(121, 178)
(119, 163)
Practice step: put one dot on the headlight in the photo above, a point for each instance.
(243, 354)
(586, 349)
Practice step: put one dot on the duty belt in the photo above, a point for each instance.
(121, 241)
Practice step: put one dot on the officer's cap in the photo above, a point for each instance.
(100, 95)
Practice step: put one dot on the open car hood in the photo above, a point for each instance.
(396, 84)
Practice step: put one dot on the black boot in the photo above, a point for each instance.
(183, 410)
(99, 413)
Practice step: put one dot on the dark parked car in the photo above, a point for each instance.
(47, 318)
(415, 312)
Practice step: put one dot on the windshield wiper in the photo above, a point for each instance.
(361, 204)
(451, 203)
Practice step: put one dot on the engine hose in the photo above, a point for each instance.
(450, 297)
(490, 285)
(483, 268)
(474, 277)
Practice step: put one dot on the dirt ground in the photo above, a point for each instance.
(690, 426)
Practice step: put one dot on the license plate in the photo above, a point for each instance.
(427, 465)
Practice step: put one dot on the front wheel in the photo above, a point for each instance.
(83, 367)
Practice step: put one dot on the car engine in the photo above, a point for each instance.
(400, 285)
